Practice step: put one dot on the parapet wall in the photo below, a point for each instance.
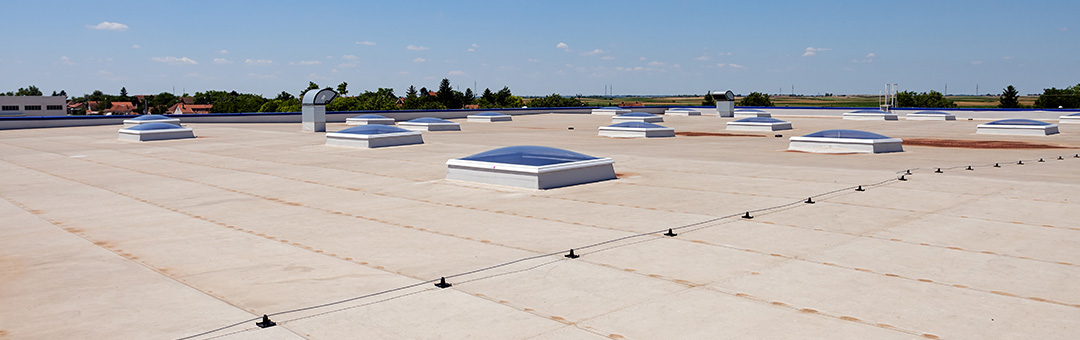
(8, 123)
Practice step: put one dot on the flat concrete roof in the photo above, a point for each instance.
(111, 239)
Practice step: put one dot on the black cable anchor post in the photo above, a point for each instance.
(1041, 160)
(908, 172)
(670, 233)
(1020, 162)
(265, 323)
(969, 168)
(809, 200)
(571, 255)
(1061, 158)
(747, 215)
(860, 189)
(442, 283)
(902, 178)
(938, 171)
(996, 165)
(1077, 156)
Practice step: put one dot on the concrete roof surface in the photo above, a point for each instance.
(108, 239)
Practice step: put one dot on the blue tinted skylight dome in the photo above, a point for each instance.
(1018, 122)
(637, 125)
(853, 134)
(489, 114)
(638, 114)
(154, 126)
(151, 117)
(370, 116)
(429, 120)
(611, 108)
(373, 130)
(931, 113)
(750, 110)
(529, 155)
(870, 111)
(760, 120)
(1075, 115)
(682, 109)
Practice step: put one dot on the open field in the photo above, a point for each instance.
(836, 101)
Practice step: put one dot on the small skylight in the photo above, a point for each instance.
(151, 117)
(429, 120)
(853, 134)
(369, 116)
(760, 120)
(529, 155)
(638, 114)
(373, 130)
(1018, 122)
(153, 126)
(637, 125)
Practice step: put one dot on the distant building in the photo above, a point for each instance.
(182, 108)
(25, 106)
(120, 108)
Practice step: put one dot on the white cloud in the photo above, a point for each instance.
(534, 60)
(868, 59)
(258, 62)
(473, 48)
(175, 60)
(656, 63)
(1006, 58)
(403, 72)
(416, 48)
(262, 76)
(456, 73)
(109, 26)
(365, 43)
(349, 57)
(419, 60)
(593, 52)
(222, 61)
(639, 68)
(812, 51)
(317, 77)
(607, 57)
(702, 58)
(735, 65)
(724, 53)
(136, 46)
(643, 59)
(976, 62)
(66, 61)
(309, 62)
(346, 65)
(223, 52)
(563, 46)
(721, 65)
(1064, 29)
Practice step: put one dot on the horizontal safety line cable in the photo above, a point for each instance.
(623, 238)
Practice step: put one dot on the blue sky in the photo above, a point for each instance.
(541, 47)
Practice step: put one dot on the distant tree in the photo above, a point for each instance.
(555, 100)
(54, 94)
(424, 92)
(160, 103)
(232, 102)
(311, 86)
(468, 97)
(925, 99)
(284, 96)
(1009, 98)
(63, 93)
(448, 96)
(488, 96)
(29, 91)
(756, 99)
(411, 92)
(1053, 98)
(138, 105)
(343, 89)
(709, 101)
(123, 92)
(96, 96)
